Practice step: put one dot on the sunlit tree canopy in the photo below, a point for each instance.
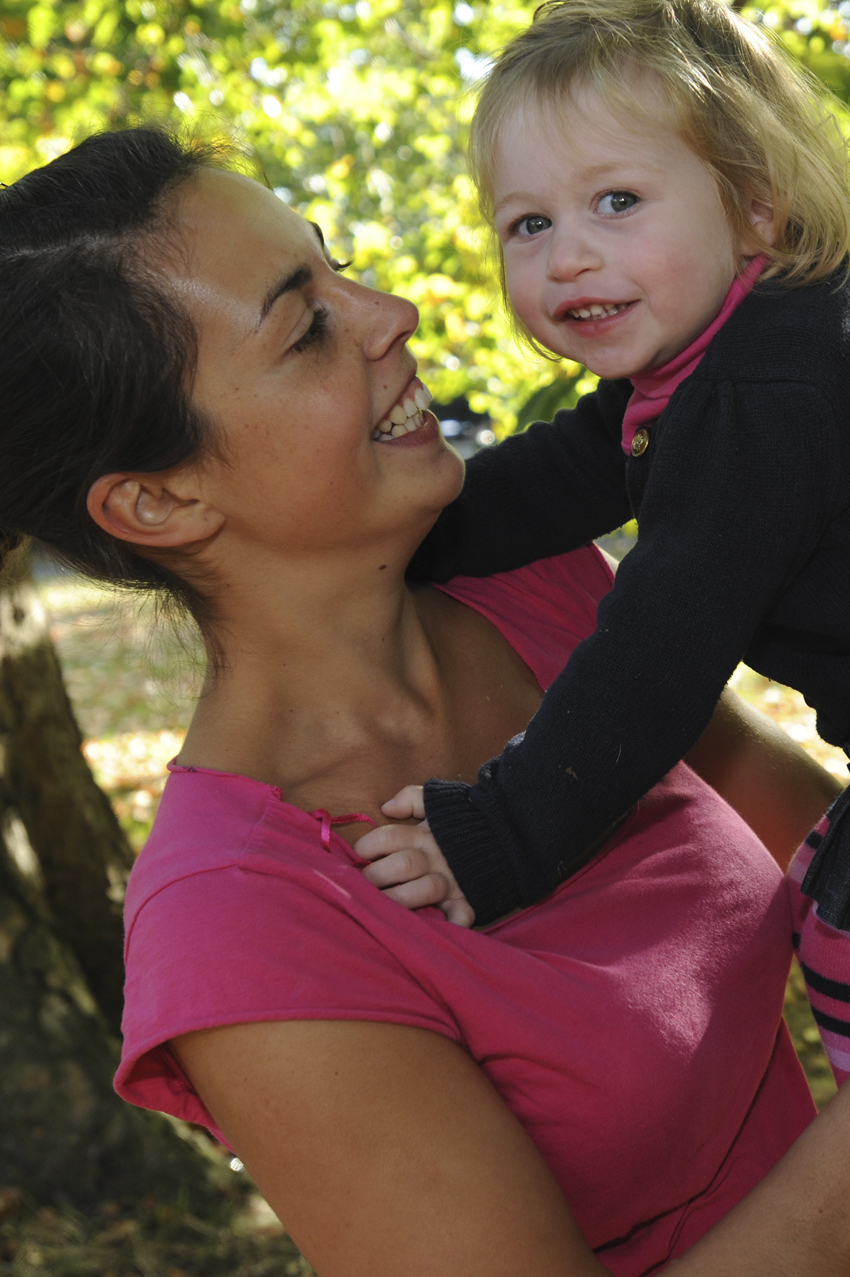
(357, 114)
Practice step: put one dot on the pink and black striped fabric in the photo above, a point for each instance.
(824, 954)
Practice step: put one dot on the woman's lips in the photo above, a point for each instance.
(406, 416)
(427, 430)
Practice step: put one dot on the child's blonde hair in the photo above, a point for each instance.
(764, 127)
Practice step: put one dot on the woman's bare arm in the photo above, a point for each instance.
(779, 789)
(796, 1222)
(385, 1151)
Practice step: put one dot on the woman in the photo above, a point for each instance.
(194, 397)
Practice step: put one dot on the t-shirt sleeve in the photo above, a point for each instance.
(741, 487)
(237, 945)
(551, 489)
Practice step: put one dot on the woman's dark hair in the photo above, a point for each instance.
(95, 357)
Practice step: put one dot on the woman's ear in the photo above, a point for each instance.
(147, 510)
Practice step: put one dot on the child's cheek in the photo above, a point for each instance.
(525, 291)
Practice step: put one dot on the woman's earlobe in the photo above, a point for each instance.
(142, 509)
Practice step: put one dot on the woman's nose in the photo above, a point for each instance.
(572, 252)
(388, 321)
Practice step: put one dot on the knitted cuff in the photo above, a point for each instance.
(477, 859)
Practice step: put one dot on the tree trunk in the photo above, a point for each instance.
(80, 848)
(65, 1137)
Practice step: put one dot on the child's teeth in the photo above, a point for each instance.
(409, 407)
(398, 431)
(398, 415)
(422, 397)
(597, 311)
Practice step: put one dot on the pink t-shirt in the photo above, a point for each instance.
(631, 1020)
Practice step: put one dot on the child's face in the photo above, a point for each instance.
(623, 226)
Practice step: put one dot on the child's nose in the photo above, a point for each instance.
(572, 252)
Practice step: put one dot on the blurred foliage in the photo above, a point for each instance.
(141, 1239)
(357, 113)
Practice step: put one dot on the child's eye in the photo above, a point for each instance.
(532, 224)
(617, 202)
(315, 332)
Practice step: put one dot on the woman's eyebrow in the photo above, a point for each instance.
(295, 279)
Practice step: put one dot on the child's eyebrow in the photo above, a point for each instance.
(610, 172)
(524, 197)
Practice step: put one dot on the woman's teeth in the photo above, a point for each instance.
(405, 417)
(597, 310)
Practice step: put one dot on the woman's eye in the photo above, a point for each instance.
(533, 224)
(315, 332)
(617, 202)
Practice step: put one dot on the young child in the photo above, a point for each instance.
(670, 197)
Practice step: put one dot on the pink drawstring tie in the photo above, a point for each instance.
(327, 820)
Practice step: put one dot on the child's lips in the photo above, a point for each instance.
(591, 313)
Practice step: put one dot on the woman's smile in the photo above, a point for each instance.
(407, 415)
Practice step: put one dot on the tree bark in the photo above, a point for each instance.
(81, 850)
(65, 1136)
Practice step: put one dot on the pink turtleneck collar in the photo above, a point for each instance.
(652, 390)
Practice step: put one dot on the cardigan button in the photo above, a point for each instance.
(640, 443)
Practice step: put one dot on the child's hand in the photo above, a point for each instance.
(409, 865)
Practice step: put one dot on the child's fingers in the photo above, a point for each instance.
(389, 838)
(408, 802)
(401, 866)
(430, 889)
(459, 911)
(408, 865)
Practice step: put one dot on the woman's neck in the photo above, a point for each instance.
(314, 665)
(342, 691)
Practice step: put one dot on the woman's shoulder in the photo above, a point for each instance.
(237, 911)
(544, 609)
(206, 821)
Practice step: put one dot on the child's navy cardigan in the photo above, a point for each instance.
(743, 502)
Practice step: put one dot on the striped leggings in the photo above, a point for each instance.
(824, 954)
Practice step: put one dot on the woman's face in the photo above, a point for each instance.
(299, 366)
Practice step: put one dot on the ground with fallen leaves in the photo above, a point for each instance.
(152, 1240)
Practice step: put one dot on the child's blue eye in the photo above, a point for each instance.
(531, 225)
(617, 202)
